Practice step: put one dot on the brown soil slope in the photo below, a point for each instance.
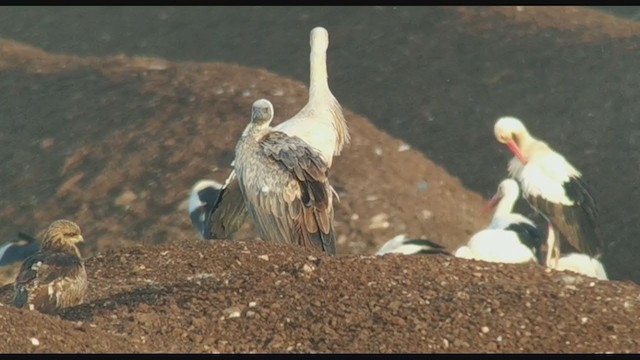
(251, 296)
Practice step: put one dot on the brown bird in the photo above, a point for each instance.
(54, 277)
(284, 184)
(320, 124)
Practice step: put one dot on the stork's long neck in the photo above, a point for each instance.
(524, 141)
(319, 91)
(505, 206)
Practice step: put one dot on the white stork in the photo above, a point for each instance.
(510, 237)
(552, 186)
(402, 244)
(13, 251)
(320, 123)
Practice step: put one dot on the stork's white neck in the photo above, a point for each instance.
(505, 206)
(318, 82)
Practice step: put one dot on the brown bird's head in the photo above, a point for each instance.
(261, 113)
(62, 234)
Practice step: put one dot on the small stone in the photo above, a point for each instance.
(423, 185)
(232, 312)
(379, 221)
(252, 304)
(34, 341)
(378, 151)
(126, 198)
(46, 143)
(263, 257)
(308, 268)
(403, 147)
(484, 329)
(583, 320)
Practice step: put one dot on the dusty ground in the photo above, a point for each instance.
(115, 144)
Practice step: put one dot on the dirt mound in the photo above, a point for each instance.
(124, 174)
(251, 296)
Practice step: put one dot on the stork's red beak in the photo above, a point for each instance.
(491, 204)
(516, 151)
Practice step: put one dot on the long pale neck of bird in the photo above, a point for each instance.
(525, 141)
(318, 83)
(505, 206)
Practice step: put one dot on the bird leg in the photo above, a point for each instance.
(553, 247)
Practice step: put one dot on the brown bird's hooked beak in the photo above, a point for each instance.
(516, 151)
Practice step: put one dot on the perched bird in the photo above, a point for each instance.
(510, 237)
(320, 124)
(402, 244)
(203, 197)
(553, 187)
(284, 184)
(12, 253)
(54, 277)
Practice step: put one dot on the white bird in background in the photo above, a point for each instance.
(579, 263)
(582, 264)
(284, 184)
(510, 237)
(12, 253)
(553, 187)
(202, 199)
(320, 124)
(15, 251)
(402, 244)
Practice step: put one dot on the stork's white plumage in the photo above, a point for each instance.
(582, 264)
(320, 123)
(510, 237)
(576, 262)
(202, 198)
(402, 244)
(552, 186)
